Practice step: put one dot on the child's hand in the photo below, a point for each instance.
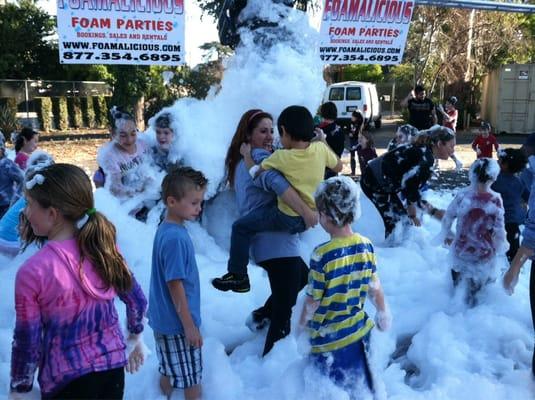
(320, 135)
(458, 165)
(193, 336)
(245, 149)
(311, 218)
(510, 279)
(478, 152)
(383, 320)
(415, 221)
(136, 352)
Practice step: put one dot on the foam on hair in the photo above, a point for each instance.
(338, 198)
(484, 170)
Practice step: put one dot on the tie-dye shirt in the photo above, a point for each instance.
(67, 325)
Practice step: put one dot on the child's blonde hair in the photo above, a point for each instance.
(68, 189)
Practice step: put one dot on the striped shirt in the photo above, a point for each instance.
(340, 272)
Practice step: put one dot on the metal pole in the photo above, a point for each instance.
(26, 98)
(392, 102)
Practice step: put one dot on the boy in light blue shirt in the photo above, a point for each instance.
(174, 297)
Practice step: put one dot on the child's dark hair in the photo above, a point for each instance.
(358, 115)
(329, 111)
(486, 126)
(180, 181)
(67, 188)
(338, 199)
(298, 123)
(25, 133)
(369, 138)
(163, 121)
(515, 159)
(484, 170)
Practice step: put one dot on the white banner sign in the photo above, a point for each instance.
(137, 32)
(364, 31)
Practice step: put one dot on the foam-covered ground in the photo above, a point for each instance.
(436, 349)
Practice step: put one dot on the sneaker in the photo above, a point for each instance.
(230, 281)
(257, 320)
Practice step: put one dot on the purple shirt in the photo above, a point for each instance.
(67, 325)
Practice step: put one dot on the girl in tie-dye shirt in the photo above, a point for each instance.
(66, 324)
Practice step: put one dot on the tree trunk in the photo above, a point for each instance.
(139, 111)
(468, 72)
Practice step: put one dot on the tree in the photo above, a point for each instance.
(363, 72)
(130, 84)
(25, 51)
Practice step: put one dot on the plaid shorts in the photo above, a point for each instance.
(179, 361)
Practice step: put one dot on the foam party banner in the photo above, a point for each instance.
(146, 32)
(364, 31)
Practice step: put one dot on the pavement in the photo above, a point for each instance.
(446, 177)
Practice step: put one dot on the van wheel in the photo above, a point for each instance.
(378, 123)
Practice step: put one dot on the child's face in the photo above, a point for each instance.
(484, 132)
(164, 137)
(285, 138)
(444, 150)
(127, 135)
(30, 145)
(188, 208)
(41, 219)
(401, 137)
(503, 165)
(262, 135)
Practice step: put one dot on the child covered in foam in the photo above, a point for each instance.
(480, 230)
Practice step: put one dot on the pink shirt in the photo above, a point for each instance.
(67, 325)
(21, 159)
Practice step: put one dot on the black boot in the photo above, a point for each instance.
(229, 281)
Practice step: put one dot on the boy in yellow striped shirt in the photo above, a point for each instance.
(342, 275)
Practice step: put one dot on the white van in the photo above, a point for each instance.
(350, 96)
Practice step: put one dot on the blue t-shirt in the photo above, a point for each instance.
(513, 192)
(173, 258)
(10, 221)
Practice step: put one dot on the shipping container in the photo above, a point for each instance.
(508, 101)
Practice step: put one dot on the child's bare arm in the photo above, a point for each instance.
(510, 279)
(296, 203)
(178, 295)
(339, 166)
(383, 318)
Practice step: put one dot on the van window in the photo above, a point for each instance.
(353, 93)
(336, 94)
